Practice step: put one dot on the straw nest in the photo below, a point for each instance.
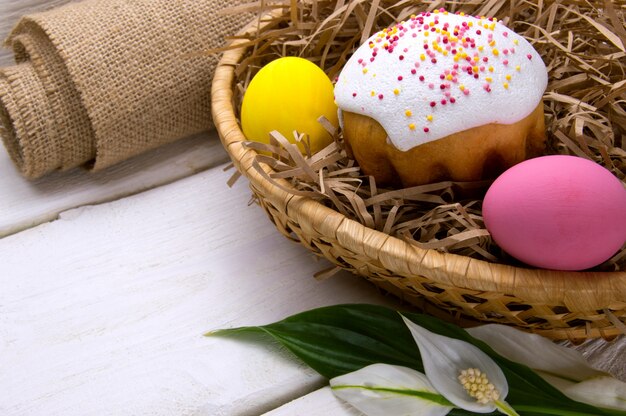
(428, 244)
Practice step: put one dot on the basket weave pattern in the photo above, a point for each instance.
(558, 305)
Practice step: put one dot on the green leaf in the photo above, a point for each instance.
(340, 339)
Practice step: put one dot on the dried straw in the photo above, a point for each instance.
(581, 42)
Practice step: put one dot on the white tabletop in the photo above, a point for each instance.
(109, 280)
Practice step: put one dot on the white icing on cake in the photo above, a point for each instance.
(440, 73)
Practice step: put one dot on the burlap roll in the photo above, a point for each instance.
(99, 81)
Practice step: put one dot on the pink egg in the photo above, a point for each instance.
(557, 212)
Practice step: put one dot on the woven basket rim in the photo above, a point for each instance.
(578, 291)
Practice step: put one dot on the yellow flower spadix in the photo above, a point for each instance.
(285, 95)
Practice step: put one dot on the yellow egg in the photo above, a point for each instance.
(289, 94)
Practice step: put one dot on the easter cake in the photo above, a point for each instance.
(442, 96)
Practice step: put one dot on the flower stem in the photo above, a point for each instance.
(504, 407)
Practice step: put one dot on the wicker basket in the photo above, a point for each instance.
(558, 305)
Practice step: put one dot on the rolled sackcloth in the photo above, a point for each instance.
(100, 81)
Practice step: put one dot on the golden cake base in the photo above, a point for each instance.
(478, 153)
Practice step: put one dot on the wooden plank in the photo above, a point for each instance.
(319, 402)
(103, 311)
(605, 356)
(24, 203)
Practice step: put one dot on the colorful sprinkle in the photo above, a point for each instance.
(464, 51)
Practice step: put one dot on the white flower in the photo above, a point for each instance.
(604, 391)
(461, 372)
(385, 390)
(564, 368)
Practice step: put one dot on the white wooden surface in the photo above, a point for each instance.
(319, 402)
(108, 282)
(103, 311)
(322, 401)
(24, 203)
